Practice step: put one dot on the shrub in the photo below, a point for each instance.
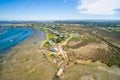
(59, 39)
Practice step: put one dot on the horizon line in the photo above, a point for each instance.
(63, 20)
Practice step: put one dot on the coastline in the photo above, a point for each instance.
(26, 62)
(7, 48)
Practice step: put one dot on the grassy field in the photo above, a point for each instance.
(113, 29)
(95, 46)
(81, 42)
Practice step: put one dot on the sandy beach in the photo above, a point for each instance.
(26, 62)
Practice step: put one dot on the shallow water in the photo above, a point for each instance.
(12, 36)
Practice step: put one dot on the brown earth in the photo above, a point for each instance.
(87, 49)
(91, 71)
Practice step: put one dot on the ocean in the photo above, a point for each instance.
(11, 36)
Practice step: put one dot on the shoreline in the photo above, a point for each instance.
(26, 62)
(2, 51)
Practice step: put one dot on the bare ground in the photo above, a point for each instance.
(89, 51)
(91, 71)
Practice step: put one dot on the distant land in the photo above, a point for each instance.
(64, 21)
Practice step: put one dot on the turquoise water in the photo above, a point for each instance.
(11, 36)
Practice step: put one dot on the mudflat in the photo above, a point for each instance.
(25, 61)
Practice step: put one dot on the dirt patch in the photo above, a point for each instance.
(89, 51)
(72, 44)
(87, 77)
(91, 72)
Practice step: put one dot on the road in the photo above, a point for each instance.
(63, 53)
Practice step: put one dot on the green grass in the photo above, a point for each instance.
(48, 37)
(48, 55)
(114, 29)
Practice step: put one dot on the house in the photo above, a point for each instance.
(54, 49)
(61, 36)
(56, 33)
(50, 42)
(60, 72)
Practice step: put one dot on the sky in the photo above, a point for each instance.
(59, 9)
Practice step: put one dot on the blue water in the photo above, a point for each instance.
(12, 36)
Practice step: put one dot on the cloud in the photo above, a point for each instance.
(65, 0)
(98, 7)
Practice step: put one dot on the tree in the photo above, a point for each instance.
(59, 39)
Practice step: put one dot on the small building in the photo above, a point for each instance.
(54, 49)
(61, 36)
(60, 72)
(50, 42)
(57, 34)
